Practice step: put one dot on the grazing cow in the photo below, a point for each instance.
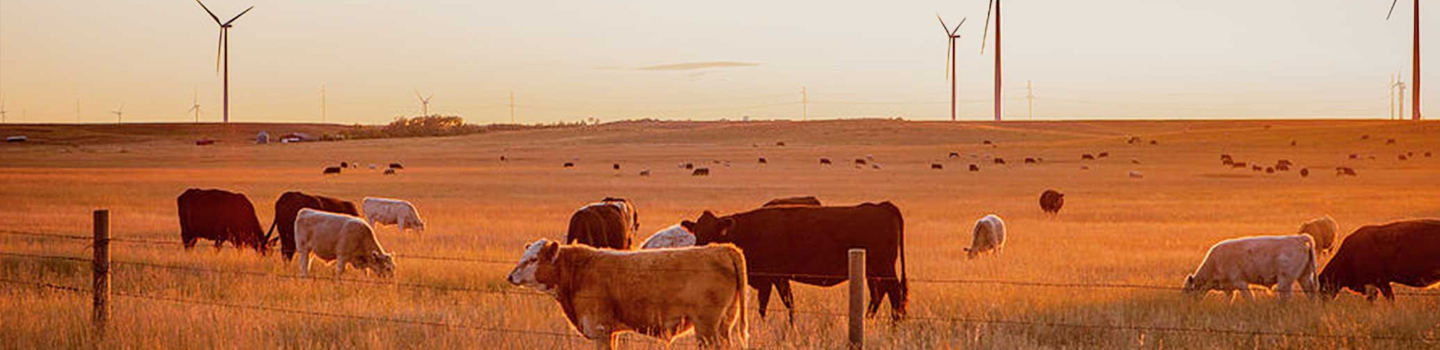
(1269, 170)
(386, 211)
(568, 165)
(221, 216)
(645, 172)
(1304, 172)
(396, 166)
(763, 161)
(1365, 137)
(1271, 261)
(609, 223)
(803, 201)
(1103, 155)
(954, 154)
(1134, 161)
(331, 170)
(1227, 161)
(825, 161)
(1323, 230)
(859, 161)
(1154, 142)
(988, 236)
(987, 142)
(781, 143)
(1282, 167)
(700, 172)
(1292, 143)
(1404, 252)
(1284, 162)
(688, 166)
(974, 167)
(937, 166)
(290, 204)
(1344, 171)
(616, 166)
(662, 293)
(1087, 156)
(1402, 157)
(1256, 167)
(1354, 156)
(809, 245)
(1029, 160)
(1136, 174)
(1390, 141)
(674, 236)
(344, 239)
(502, 158)
(875, 166)
(1427, 154)
(1051, 201)
(389, 171)
(999, 160)
(344, 164)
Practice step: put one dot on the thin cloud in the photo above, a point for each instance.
(688, 66)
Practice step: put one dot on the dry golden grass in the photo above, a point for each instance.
(1113, 229)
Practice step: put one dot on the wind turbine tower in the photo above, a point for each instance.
(2, 112)
(119, 114)
(995, 5)
(1415, 71)
(1030, 98)
(195, 106)
(951, 60)
(424, 103)
(512, 107)
(222, 49)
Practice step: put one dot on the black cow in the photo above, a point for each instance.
(1051, 201)
(1404, 252)
(763, 161)
(937, 166)
(810, 244)
(700, 172)
(974, 167)
(289, 205)
(221, 216)
(396, 166)
(331, 170)
(824, 160)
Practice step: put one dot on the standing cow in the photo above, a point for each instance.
(988, 236)
(1324, 230)
(674, 236)
(661, 293)
(810, 245)
(343, 239)
(290, 204)
(1234, 264)
(1051, 201)
(609, 223)
(385, 211)
(1404, 252)
(221, 216)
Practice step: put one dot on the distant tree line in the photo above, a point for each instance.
(433, 125)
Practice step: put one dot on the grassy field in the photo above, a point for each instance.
(1113, 229)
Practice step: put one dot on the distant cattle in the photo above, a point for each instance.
(804, 201)
(1084, 167)
(1239, 165)
(1133, 140)
(700, 172)
(386, 211)
(331, 170)
(1354, 156)
(1256, 167)
(824, 160)
(645, 172)
(781, 143)
(389, 171)
(999, 160)
(221, 216)
(17, 138)
(809, 245)
(987, 236)
(1134, 161)
(1029, 160)
(1365, 137)
(1136, 174)
(661, 293)
(763, 161)
(609, 223)
(974, 167)
(1269, 170)
(688, 166)
(1154, 142)
(615, 166)
(875, 166)
(1344, 171)
(1282, 167)
(502, 158)
(204, 142)
(954, 154)
(1087, 156)
(344, 164)
(289, 205)
(937, 166)
(396, 166)
(1323, 230)
(568, 165)
(344, 239)
(1271, 261)
(987, 142)
(1304, 172)
(1292, 143)
(1102, 155)
(1403, 252)
(1227, 161)
(1390, 141)
(1051, 201)
(1427, 154)
(674, 236)
(1284, 162)
(859, 161)
(1402, 157)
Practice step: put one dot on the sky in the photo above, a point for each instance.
(679, 60)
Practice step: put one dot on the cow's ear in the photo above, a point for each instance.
(550, 252)
(688, 225)
(725, 225)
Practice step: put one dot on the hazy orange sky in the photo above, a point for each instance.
(567, 60)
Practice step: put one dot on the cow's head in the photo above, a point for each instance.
(383, 264)
(709, 228)
(1330, 284)
(537, 267)
(1193, 288)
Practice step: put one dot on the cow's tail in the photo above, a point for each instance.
(1311, 272)
(741, 282)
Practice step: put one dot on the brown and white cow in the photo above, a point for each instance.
(1374, 256)
(1235, 264)
(609, 223)
(661, 293)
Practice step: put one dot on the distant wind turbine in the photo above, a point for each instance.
(995, 5)
(222, 49)
(195, 107)
(951, 61)
(1415, 80)
(2, 111)
(119, 114)
(424, 103)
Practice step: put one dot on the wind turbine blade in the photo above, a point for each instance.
(242, 13)
(962, 22)
(218, 44)
(1392, 9)
(949, 56)
(987, 26)
(417, 96)
(212, 14)
(947, 28)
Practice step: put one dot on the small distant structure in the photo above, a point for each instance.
(262, 138)
(297, 137)
(17, 138)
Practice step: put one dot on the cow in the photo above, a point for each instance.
(700, 172)
(386, 211)
(810, 245)
(290, 203)
(615, 166)
(390, 171)
(1269, 170)
(688, 166)
(937, 166)
(674, 236)
(503, 158)
(1323, 230)
(974, 167)
(1427, 154)
(988, 236)
(344, 164)
(825, 161)
(662, 293)
(1256, 167)
(331, 170)
(1051, 201)
(645, 172)
(1136, 174)
(1154, 143)
(954, 154)
(1390, 141)
(805, 201)
(860, 161)
(780, 143)
(568, 165)
(1404, 252)
(987, 142)
(1282, 167)
(221, 216)
(1271, 261)
(999, 160)
(344, 239)
(609, 223)
(1102, 155)
(396, 166)
(1087, 156)
(1030, 161)
(1402, 157)
(763, 161)
(1344, 171)
(1304, 172)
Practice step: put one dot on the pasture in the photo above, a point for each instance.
(1113, 229)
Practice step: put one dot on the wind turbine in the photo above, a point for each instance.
(195, 107)
(424, 103)
(950, 61)
(995, 4)
(222, 49)
(119, 114)
(1415, 80)
(2, 111)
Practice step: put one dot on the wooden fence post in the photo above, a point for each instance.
(857, 299)
(100, 274)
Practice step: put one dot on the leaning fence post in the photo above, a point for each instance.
(857, 299)
(100, 268)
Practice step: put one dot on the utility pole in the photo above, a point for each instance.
(512, 107)
(324, 110)
(1030, 98)
(804, 104)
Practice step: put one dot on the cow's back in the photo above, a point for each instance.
(600, 226)
(816, 240)
(1404, 252)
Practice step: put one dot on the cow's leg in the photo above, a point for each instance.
(1310, 286)
(762, 293)
(1245, 292)
(339, 266)
(1387, 291)
(707, 329)
(782, 286)
(1371, 292)
(899, 297)
(190, 242)
(1284, 287)
(401, 223)
(304, 262)
(876, 296)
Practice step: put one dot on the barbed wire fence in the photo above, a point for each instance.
(96, 241)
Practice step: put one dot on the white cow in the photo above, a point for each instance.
(386, 211)
(1271, 261)
(1324, 230)
(988, 235)
(671, 237)
(341, 238)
